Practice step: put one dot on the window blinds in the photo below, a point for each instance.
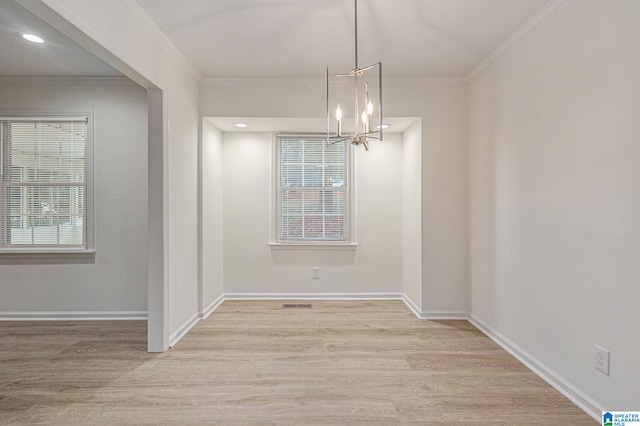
(43, 198)
(313, 196)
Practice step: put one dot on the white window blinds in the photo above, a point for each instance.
(44, 168)
(313, 189)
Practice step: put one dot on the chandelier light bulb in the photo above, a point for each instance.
(365, 122)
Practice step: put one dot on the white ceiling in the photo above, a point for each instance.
(289, 38)
(299, 38)
(57, 56)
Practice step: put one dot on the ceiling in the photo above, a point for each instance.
(57, 56)
(289, 38)
(300, 38)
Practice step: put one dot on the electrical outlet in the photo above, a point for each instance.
(315, 272)
(602, 360)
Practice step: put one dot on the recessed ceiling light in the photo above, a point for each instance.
(383, 126)
(241, 125)
(30, 37)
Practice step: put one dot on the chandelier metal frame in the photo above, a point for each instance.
(367, 125)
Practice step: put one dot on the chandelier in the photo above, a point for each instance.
(365, 85)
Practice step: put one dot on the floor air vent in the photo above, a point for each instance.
(297, 306)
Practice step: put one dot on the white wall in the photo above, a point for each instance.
(251, 266)
(117, 281)
(122, 34)
(445, 288)
(440, 105)
(555, 197)
(182, 192)
(212, 218)
(552, 181)
(412, 214)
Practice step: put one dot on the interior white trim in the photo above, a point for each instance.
(313, 246)
(66, 80)
(177, 335)
(314, 296)
(285, 82)
(250, 82)
(575, 395)
(434, 315)
(46, 254)
(212, 307)
(426, 81)
(444, 315)
(100, 45)
(412, 306)
(530, 27)
(68, 15)
(73, 316)
(11, 253)
(149, 25)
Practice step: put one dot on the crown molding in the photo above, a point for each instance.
(539, 20)
(426, 81)
(530, 27)
(68, 80)
(254, 82)
(282, 82)
(145, 22)
(64, 13)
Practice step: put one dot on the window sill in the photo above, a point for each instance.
(313, 246)
(47, 255)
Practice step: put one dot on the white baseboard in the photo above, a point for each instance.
(575, 395)
(417, 311)
(434, 315)
(73, 316)
(444, 315)
(177, 335)
(314, 296)
(212, 307)
(183, 329)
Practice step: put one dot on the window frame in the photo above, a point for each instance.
(276, 243)
(54, 252)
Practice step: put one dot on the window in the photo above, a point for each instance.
(313, 196)
(43, 198)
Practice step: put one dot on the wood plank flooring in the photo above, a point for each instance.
(254, 363)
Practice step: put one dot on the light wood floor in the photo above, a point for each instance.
(252, 363)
